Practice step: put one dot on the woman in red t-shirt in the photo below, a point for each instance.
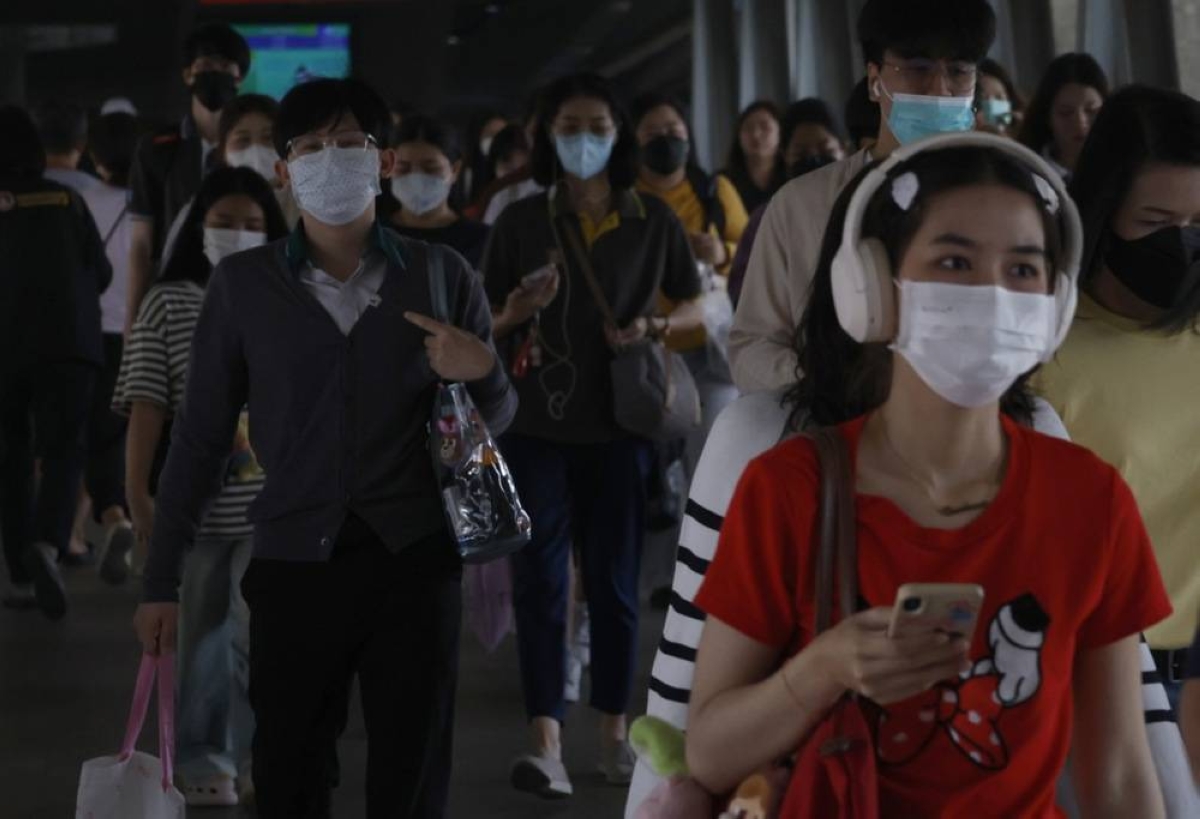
(973, 253)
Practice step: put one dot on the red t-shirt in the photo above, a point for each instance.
(1066, 565)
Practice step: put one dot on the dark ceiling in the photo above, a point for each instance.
(507, 48)
(455, 56)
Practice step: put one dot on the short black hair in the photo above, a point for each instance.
(946, 29)
(991, 68)
(645, 103)
(1078, 68)
(111, 142)
(21, 153)
(187, 261)
(622, 165)
(508, 141)
(318, 103)
(438, 133)
(237, 108)
(808, 111)
(217, 40)
(1137, 126)
(62, 126)
(862, 114)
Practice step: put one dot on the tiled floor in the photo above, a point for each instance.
(65, 688)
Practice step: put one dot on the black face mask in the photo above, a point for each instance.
(1159, 267)
(214, 89)
(809, 163)
(665, 154)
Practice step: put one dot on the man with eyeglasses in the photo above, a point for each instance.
(326, 336)
(170, 164)
(921, 61)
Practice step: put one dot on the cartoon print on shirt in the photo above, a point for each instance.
(968, 712)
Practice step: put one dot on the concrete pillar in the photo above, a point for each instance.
(1103, 33)
(1149, 25)
(823, 51)
(1187, 44)
(763, 55)
(714, 80)
(1025, 39)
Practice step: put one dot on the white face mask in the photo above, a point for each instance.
(485, 145)
(336, 185)
(258, 158)
(420, 193)
(222, 242)
(970, 344)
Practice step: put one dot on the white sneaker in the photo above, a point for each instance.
(617, 762)
(542, 776)
(117, 559)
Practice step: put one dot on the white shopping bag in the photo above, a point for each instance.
(133, 784)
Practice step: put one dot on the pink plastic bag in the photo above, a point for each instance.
(134, 784)
(487, 595)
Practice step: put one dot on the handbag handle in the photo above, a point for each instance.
(838, 541)
(162, 667)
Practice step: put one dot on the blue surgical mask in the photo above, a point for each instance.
(996, 112)
(916, 116)
(585, 154)
(419, 193)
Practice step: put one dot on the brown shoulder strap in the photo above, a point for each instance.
(838, 539)
(585, 267)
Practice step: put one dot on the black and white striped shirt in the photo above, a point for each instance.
(749, 427)
(154, 369)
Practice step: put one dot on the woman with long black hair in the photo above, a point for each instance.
(580, 475)
(235, 209)
(1063, 108)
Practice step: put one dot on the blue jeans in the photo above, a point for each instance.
(592, 495)
(215, 724)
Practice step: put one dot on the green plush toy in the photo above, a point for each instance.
(660, 745)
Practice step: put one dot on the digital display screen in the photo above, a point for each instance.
(283, 55)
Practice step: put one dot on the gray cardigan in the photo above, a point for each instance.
(337, 422)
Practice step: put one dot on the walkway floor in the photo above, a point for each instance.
(65, 688)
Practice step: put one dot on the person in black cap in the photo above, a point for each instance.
(169, 164)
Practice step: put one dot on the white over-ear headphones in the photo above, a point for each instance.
(863, 291)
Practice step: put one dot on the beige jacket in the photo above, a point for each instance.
(781, 269)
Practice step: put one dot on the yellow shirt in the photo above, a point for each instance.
(1133, 397)
(687, 206)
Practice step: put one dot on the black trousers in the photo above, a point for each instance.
(44, 406)
(392, 620)
(104, 472)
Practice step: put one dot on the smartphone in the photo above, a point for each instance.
(538, 276)
(951, 608)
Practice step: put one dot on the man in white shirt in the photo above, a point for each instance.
(64, 132)
(918, 54)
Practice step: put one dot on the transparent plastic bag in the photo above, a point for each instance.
(718, 319)
(478, 493)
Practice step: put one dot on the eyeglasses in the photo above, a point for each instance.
(960, 76)
(311, 143)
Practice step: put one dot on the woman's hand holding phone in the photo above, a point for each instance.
(858, 655)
